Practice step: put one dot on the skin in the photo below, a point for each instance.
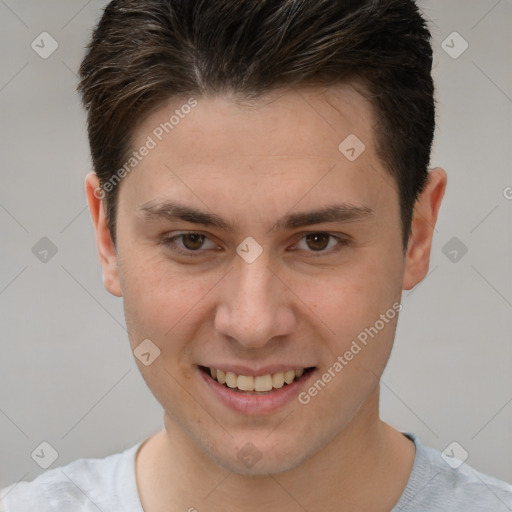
(292, 305)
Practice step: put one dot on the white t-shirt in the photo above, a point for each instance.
(109, 485)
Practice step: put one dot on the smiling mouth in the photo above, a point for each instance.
(262, 384)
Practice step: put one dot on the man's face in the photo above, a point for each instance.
(300, 304)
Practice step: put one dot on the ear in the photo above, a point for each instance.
(106, 249)
(424, 219)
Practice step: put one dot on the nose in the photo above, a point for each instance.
(255, 306)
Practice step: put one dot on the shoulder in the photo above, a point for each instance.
(439, 483)
(85, 484)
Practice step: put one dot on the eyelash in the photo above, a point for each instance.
(170, 243)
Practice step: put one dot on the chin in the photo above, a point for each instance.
(261, 456)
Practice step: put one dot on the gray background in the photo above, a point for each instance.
(67, 373)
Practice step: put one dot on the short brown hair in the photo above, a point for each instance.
(145, 52)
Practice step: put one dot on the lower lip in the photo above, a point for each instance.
(257, 404)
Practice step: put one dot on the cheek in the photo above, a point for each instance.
(353, 296)
(160, 304)
(157, 297)
(350, 303)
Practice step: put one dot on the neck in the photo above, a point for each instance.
(365, 467)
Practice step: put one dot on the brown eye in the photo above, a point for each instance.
(193, 241)
(318, 241)
(188, 244)
(321, 244)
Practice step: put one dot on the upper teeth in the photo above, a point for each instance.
(260, 383)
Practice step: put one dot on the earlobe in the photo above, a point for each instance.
(106, 249)
(424, 219)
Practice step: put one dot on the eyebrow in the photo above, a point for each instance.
(172, 210)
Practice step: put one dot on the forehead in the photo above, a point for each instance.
(292, 121)
(300, 144)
